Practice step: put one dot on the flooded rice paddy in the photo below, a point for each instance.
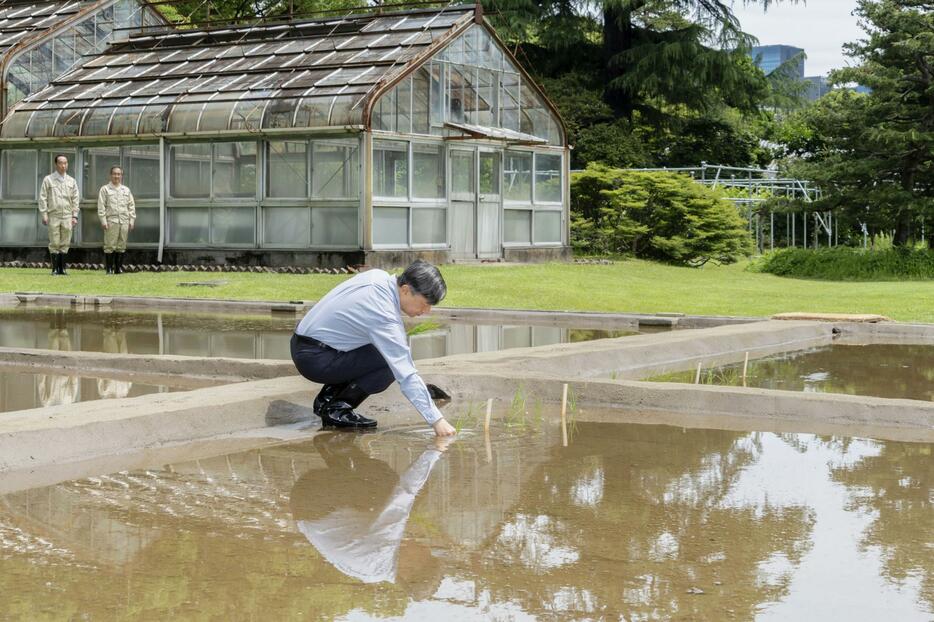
(628, 522)
(892, 371)
(22, 390)
(245, 336)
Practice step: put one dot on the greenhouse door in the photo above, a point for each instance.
(489, 204)
(463, 204)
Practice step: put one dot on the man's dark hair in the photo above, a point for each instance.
(57, 156)
(114, 167)
(425, 279)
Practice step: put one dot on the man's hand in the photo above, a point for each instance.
(443, 428)
(131, 226)
(74, 221)
(106, 226)
(45, 219)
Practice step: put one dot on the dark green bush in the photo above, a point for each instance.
(654, 215)
(850, 264)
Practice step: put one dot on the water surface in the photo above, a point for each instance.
(893, 371)
(634, 522)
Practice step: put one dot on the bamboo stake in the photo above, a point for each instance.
(745, 365)
(489, 413)
(564, 415)
(697, 375)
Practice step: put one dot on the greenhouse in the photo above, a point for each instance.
(368, 138)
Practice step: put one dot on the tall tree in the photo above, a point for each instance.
(872, 152)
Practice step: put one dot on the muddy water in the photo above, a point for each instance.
(21, 390)
(894, 371)
(633, 522)
(245, 336)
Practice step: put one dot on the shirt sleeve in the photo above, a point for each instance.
(131, 206)
(102, 206)
(389, 338)
(44, 197)
(75, 200)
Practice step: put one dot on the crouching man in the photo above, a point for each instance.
(353, 342)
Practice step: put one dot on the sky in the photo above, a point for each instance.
(821, 27)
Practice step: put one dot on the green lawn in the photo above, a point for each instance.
(626, 286)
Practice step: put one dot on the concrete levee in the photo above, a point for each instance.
(643, 355)
(530, 378)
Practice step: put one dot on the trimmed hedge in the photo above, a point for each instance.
(849, 264)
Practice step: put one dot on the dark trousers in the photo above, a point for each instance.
(364, 366)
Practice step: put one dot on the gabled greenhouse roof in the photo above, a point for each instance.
(286, 75)
(21, 21)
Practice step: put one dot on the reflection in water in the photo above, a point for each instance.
(246, 336)
(894, 371)
(55, 389)
(629, 522)
(355, 510)
(114, 342)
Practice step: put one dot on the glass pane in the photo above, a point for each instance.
(146, 229)
(189, 225)
(547, 178)
(462, 174)
(428, 171)
(437, 94)
(286, 226)
(142, 171)
(334, 170)
(391, 225)
(64, 51)
(404, 106)
(334, 226)
(91, 231)
(19, 174)
(420, 88)
(191, 171)
(517, 226)
(384, 117)
(18, 226)
(456, 81)
(391, 169)
(429, 226)
(509, 101)
(489, 172)
(548, 226)
(288, 175)
(233, 225)
(96, 173)
(517, 176)
(235, 169)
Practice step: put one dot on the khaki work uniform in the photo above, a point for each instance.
(58, 200)
(114, 342)
(117, 210)
(55, 389)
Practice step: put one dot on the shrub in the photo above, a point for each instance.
(849, 264)
(654, 215)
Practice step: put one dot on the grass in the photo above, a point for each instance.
(624, 286)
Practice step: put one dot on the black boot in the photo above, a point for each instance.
(61, 264)
(108, 263)
(340, 413)
(53, 259)
(118, 263)
(327, 393)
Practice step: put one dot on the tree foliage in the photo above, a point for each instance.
(872, 153)
(654, 215)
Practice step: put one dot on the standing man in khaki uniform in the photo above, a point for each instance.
(58, 204)
(117, 211)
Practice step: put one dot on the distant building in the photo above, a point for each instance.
(769, 57)
(817, 87)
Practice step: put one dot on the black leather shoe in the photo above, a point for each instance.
(339, 414)
(328, 392)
